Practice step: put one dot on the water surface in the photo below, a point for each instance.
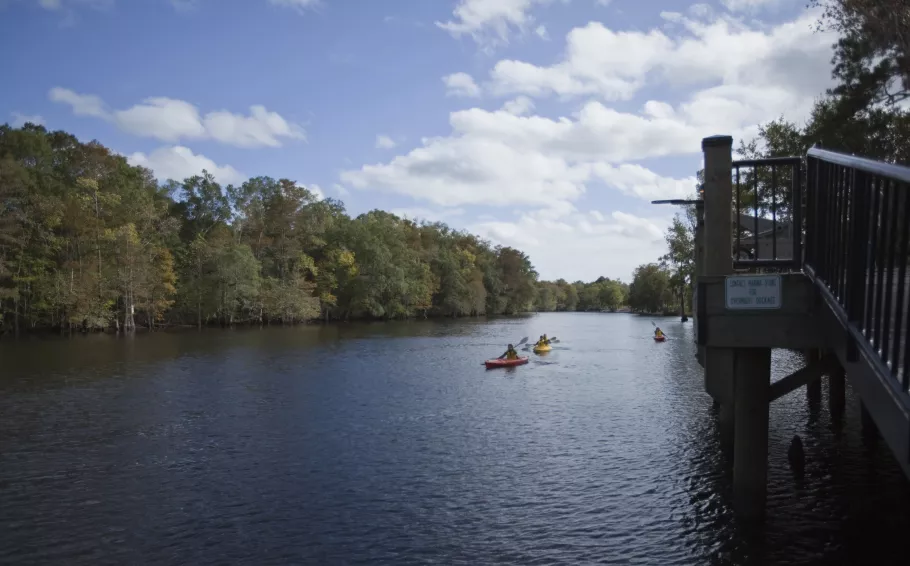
(390, 443)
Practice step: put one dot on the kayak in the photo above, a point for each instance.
(497, 363)
(541, 349)
(660, 338)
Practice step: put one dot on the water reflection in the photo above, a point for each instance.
(391, 443)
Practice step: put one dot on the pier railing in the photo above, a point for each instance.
(857, 235)
(767, 213)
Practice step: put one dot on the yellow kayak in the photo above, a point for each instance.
(542, 348)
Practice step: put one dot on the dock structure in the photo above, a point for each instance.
(808, 253)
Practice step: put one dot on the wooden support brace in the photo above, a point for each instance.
(801, 377)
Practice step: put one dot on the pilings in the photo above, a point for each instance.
(715, 257)
(814, 387)
(750, 448)
(837, 391)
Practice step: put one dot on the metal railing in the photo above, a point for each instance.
(858, 251)
(770, 236)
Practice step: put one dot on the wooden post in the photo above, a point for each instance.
(870, 431)
(699, 271)
(716, 258)
(750, 447)
(814, 387)
(837, 391)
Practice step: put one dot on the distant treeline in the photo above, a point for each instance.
(603, 294)
(89, 242)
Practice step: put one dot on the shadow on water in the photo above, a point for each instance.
(391, 443)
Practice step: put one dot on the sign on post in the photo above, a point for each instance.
(753, 292)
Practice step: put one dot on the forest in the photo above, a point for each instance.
(89, 242)
(604, 294)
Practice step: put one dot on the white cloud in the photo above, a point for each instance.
(82, 104)
(598, 61)
(498, 158)
(461, 84)
(541, 32)
(643, 183)
(749, 5)
(20, 120)
(427, 214)
(163, 118)
(299, 5)
(180, 162)
(342, 192)
(260, 128)
(615, 65)
(172, 120)
(604, 3)
(703, 11)
(518, 106)
(490, 22)
(461, 170)
(385, 142)
(612, 245)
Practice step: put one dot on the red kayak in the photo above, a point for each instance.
(660, 338)
(497, 363)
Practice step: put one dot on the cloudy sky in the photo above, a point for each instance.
(547, 125)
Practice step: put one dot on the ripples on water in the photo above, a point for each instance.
(392, 444)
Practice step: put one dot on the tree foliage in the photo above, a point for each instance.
(604, 294)
(89, 242)
(650, 291)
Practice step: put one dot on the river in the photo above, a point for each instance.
(391, 444)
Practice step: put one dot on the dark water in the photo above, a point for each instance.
(392, 444)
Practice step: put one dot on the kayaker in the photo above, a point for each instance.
(510, 354)
(546, 341)
(658, 333)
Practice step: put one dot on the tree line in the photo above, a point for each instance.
(89, 242)
(604, 294)
(864, 114)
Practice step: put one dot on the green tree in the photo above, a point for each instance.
(649, 289)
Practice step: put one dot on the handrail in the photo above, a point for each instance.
(763, 228)
(878, 168)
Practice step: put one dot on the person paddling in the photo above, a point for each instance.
(510, 354)
(658, 333)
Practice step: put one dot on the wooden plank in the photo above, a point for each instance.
(801, 377)
(764, 330)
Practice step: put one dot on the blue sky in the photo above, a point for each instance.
(547, 125)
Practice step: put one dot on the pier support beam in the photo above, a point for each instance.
(837, 391)
(719, 377)
(717, 259)
(750, 447)
(814, 387)
(870, 431)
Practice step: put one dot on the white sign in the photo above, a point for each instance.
(753, 292)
